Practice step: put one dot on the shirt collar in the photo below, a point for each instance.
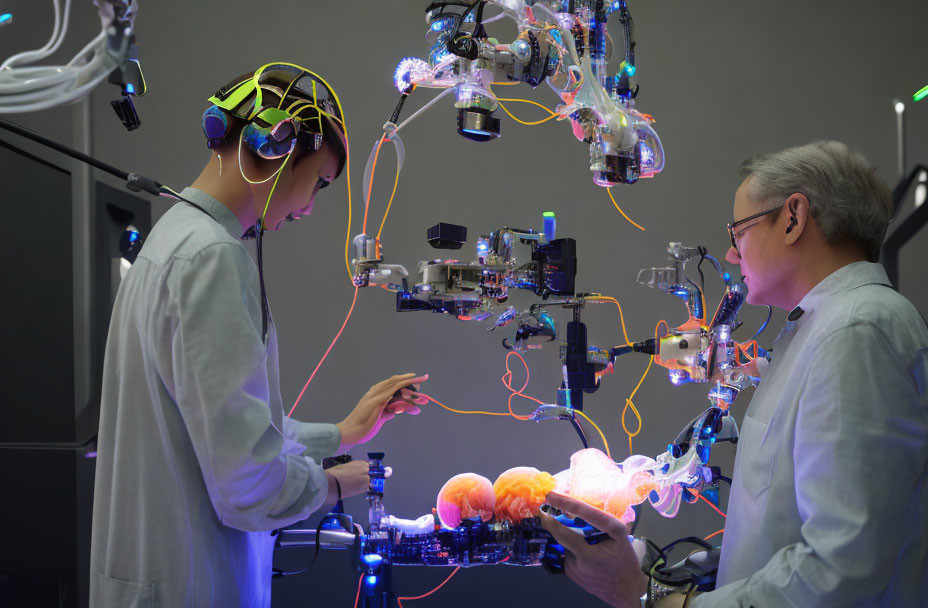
(219, 212)
(844, 279)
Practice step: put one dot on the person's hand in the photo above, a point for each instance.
(609, 569)
(353, 478)
(381, 403)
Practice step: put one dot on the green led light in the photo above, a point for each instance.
(548, 214)
(921, 94)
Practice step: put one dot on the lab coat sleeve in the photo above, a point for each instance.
(861, 440)
(320, 440)
(256, 480)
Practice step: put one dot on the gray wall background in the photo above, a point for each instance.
(723, 79)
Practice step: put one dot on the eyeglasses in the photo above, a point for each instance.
(732, 226)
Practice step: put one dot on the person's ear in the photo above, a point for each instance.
(797, 216)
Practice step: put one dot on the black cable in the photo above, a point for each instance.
(259, 238)
(395, 117)
(693, 540)
(580, 432)
(135, 183)
(93, 162)
(32, 157)
(468, 49)
(637, 510)
(702, 258)
(277, 572)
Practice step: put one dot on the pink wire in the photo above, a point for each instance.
(328, 350)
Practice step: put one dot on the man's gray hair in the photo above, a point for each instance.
(848, 200)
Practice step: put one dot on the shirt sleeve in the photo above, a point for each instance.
(320, 440)
(256, 478)
(860, 452)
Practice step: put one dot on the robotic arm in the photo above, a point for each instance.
(565, 44)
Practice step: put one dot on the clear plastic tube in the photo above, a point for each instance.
(55, 85)
(31, 84)
(74, 95)
(58, 34)
(416, 114)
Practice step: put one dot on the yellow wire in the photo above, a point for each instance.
(271, 193)
(522, 122)
(390, 203)
(504, 84)
(450, 409)
(621, 316)
(609, 191)
(603, 437)
(630, 403)
(534, 103)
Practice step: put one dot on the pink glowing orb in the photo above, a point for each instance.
(614, 488)
(465, 496)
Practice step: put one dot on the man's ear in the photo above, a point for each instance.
(797, 216)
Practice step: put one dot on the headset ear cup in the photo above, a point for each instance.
(215, 124)
(264, 142)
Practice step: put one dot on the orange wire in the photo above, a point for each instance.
(621, 316)
(508, 384)
(370, 186)
(396, 181)
(708, 502)
(450, 409)
(609, 192)
(419, 597)
(357, 595)
(631, 404)
(328, 350)
(716, 533)
(348, 232)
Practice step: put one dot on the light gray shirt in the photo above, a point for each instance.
(828, 504)
(196, 460)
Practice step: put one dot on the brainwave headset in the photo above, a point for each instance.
(282, 104)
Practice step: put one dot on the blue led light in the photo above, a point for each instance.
(5, 17)
(726, 277)
(477, 131)
(373, 560)
(133, 237)
(630, 69)
(371, 581)
(130, 89)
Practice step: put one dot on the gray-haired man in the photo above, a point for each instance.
(829, 503)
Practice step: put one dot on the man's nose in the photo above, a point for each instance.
(732, 256)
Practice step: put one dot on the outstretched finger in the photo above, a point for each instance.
(593, 516)
(408, 380)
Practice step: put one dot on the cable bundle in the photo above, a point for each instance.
(27, 88)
